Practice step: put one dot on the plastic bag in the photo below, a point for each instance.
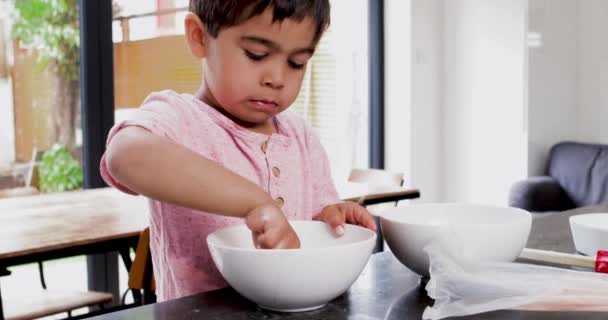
(463, 287)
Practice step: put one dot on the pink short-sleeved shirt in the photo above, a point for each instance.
(291, 165)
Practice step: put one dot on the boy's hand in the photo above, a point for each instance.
(336, 215)
(270, 229)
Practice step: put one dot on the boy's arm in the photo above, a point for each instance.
(160, 169)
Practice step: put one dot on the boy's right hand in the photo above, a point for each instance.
(270, 229)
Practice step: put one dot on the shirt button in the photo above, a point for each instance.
(276, 172)
(264, 146)
(280, 201)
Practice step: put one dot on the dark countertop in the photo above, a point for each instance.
(551, 231)
(385, 290)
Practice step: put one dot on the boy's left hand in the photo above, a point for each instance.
(336, 215)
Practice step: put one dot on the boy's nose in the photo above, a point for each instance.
(273, 79)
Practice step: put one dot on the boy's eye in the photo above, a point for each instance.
(255, 56)
(295, 65)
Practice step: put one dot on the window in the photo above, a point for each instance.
(334, 95)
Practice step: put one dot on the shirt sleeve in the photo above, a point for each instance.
(157, 115)
(324, 190)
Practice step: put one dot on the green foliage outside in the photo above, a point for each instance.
(50, 27)
(59, 171)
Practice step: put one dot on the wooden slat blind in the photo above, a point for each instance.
(144, 66)
(317, 99)
(31, 103)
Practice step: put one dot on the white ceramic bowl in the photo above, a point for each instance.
(472, 231)
(590, 232)
(292, 280)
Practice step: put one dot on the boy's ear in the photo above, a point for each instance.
(196, 35)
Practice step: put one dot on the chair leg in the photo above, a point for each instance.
(126, 259)
(137, 298)
(149, 296)
(41, 272)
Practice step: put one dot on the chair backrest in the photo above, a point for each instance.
(582, 171)
(376, 177)
(141, 275)
(32, 176)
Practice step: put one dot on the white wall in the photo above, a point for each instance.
(493, 85)
(414, 57)
(568, 74)
(483, 118)
(553, 78)
(455, 124)
(397, 39)
(427, 156)
(593, 71)
(348, 23)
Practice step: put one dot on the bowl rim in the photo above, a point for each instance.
(521, 212)
(272, 251)
(573, 221)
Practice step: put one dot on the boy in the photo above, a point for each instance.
(230, 152)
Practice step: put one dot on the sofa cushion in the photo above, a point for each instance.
(599, 179)
(582, 171)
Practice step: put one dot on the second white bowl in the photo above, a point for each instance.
(473, 231)
(590, 232)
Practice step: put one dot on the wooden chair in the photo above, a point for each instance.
(46, 302)
(377, 177)
(31, 177)
(18, 192)
(141, 274)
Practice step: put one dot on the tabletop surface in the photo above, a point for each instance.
(41, 223)
(35, 224)
(385, 290)
(551, 231)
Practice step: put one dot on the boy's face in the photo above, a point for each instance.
(254, 70)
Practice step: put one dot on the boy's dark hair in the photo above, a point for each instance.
(219, 14)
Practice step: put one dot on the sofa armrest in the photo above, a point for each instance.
(539, 194)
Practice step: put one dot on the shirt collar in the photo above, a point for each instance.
(281, 136)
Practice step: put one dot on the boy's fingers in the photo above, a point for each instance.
(254, 237)
(289, 242)
(256, 225)
(370, 223)
(364, 218)
(268, 240)
(256, 220)
(274, 239)
(336, 219)
(350, 213)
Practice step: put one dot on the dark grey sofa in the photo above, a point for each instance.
(577, 176)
